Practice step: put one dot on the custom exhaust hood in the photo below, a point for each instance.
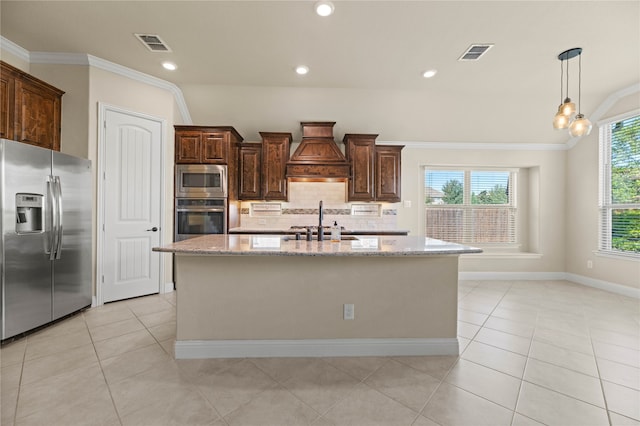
(318, 158)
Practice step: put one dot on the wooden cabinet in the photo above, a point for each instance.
(275, 154)
(387, 173)
(262, 167)
(30, 109)
(375, 169)
(360, 150)
(205, 145)
(249, 171)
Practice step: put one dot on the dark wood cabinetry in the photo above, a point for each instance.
(30, 109)
(249, 171)
(205, 145)
(375, 169)
(275, 154)
(360, 150)
(387, 173)
(262, 167)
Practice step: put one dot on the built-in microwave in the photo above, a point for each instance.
(201, 181)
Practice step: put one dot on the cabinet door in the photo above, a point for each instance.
(215, 147)
(188, 147)
(361, 154)
(6, 117)
(388, 166)
(37, 114)
(275, 154)
(249, 166)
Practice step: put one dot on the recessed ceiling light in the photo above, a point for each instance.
(324, 8)
(169, 66)
(302, 69)
(429, 73)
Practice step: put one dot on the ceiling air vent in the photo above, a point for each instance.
(153, 42)
(475, 51)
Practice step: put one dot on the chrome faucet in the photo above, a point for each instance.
(320, 230)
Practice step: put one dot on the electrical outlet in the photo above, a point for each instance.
(262, 221)
(589, 264)
(407, 203)
(349, 311)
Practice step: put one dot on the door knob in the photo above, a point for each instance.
(154, 229)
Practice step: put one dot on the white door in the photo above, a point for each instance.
(131, 206)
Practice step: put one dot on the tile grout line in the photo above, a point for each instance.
(115, 407)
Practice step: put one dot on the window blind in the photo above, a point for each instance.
(470, 206)
(620, 186)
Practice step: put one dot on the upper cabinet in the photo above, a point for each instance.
(388, 172)
(249, 171)
(262, 167)
(30, 109)
(275, 154)
(360, 150)
(205, 145)
(375, 169)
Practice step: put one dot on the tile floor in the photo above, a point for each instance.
(532, 353)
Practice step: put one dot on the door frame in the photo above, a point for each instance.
(103, 108)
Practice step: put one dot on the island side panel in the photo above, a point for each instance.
(302, 297)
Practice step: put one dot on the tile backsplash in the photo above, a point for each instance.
(302, 209)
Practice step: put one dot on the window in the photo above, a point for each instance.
(470, 206)
(620, 186)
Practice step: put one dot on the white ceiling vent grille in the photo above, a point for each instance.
(475, 52)
(153, 42)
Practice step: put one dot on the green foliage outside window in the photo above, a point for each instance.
(625, 184)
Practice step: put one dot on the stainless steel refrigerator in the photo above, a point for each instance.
(45, 248)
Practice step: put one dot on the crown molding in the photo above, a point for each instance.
(478, 146)
(606, 106)
(93, 61)
(14, 49)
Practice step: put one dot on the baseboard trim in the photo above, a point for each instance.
(168, 287)
(507, 276)
(198, 349)
(550, 276)
(604, 285)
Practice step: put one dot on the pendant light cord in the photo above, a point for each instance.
(561, 81)
(579, 83)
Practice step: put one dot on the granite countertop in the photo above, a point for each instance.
(279, 245)
(327, 230)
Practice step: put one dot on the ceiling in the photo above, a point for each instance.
(364, 45)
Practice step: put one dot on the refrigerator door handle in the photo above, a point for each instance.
(52, 218)
(58, 247)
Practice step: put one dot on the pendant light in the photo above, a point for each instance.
(578, 125)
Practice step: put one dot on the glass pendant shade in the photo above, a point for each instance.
(568, 108)
(581, 126)
(560, 121)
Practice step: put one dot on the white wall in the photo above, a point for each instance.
(562, 188)
(123, 92)
(541, 184)
(582, 216)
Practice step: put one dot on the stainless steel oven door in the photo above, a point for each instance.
(197, 217)
(201, 181)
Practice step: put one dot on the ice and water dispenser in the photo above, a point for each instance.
(29, 210)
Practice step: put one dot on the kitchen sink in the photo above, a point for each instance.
(315, 238)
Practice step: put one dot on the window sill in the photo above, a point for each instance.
(617, 255)
(502, 255)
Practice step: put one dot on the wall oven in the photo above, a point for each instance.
(195, 217)
(201, 181)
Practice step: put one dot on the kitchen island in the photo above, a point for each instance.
(273, 295)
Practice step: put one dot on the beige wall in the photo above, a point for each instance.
(541, 185)
(560, 194)
(74, 80)
(582, 214)
(122, 92)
